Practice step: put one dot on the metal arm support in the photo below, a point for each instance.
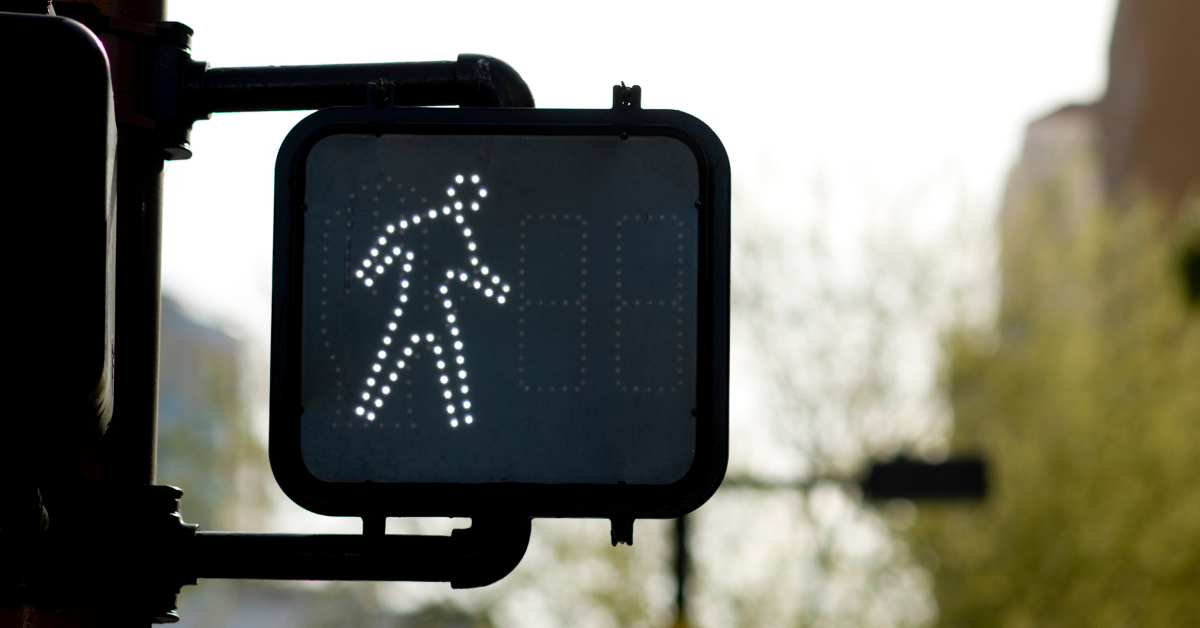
(477, 556)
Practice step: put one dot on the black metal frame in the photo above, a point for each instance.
(618, 502)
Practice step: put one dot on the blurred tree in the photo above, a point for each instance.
(1085, 397)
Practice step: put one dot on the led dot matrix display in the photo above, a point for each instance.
(499, 309)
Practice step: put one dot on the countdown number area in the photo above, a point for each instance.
(499, 309)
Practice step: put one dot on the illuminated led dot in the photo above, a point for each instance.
(459, 359)
(445, 379)
(400, 363)
(374, 252)
(416, 219)
(443, 289)
(462, 277)
(437, 350)
(464, 390)
(466, 405)
(359, 411)
(453, 331)
(370, 282)
(467, 232)
(471, 246)
(450, 318)
(409, 255)
(398, 311)
(408, 268)
(468, 419)
(366, 396)
(370, 416)
(387, 341)
(392, 326)
(505, 288)
(441, 364)
(407, 351)
(482, 192)
(366, 263)
(474, 178)
(382, 240)
(476, 284)
(391, 229)
(462, 374)
(449, 409)
(487, 292)
(386, 390)
(433, 213)
(393, 376)
(458, 344)
(447, 303)
(458, 219)
(403, 283)
(359, 274)
(379, 269)
(449, 274)
(378, 403)
(500, 299)
(403, 224)
(404, 298)
(395, 250)
(495, 279)
(446, 210)
(474, 206)
(458, 178)
(447, 394)
(376, 368)
(370, 381)
(453, 422)
(474, 261)
(449, 191)
(483, 269)
(387, 259)
(429, 337)
(457, 204)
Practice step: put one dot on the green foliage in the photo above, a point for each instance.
(1086, 401)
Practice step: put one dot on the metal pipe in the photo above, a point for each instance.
(471, 81)
(471, 557)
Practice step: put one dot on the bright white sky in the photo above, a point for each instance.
(875, 94)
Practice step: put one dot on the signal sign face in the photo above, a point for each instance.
(482, 309)
(514, 309)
